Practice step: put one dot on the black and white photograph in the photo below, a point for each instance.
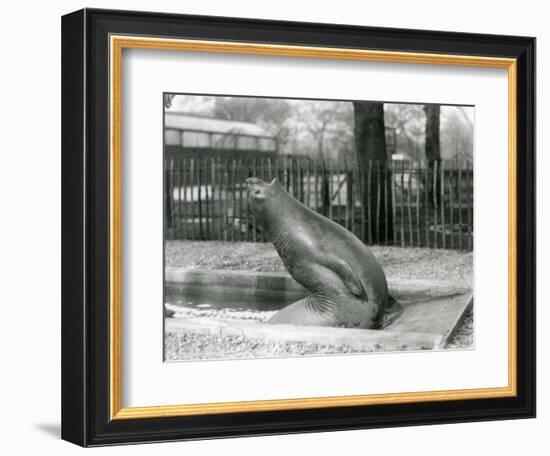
(300, 227)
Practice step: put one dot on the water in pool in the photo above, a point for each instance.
(216, 298)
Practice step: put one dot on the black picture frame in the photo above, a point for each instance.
(85, 228)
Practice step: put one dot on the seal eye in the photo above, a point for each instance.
(257, 193)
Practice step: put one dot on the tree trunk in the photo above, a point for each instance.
(433, 152)
(325, 184)
(168, 183)
(370, 145)
(325, 189)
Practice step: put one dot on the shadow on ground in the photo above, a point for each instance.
(51, 429)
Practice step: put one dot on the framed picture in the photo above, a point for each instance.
(277, 227)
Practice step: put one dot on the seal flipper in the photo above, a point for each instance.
(352, 282)
(304, 313)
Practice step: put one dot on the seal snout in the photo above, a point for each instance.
(259, 190)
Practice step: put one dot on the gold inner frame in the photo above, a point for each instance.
(117, 44)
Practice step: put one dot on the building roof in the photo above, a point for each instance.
(185, 121)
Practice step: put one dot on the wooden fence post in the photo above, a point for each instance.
(460, 228)
(168, 178)
(470, 206)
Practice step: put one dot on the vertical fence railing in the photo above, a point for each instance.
(402, 203)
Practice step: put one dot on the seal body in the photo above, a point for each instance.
(347, 284)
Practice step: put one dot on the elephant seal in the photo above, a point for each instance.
(347, 284)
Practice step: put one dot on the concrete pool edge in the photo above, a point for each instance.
(433, 309)
(255, 281)
(365, 340)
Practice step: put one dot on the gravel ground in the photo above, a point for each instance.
(407, 263)
(464, 337)
(200, 346)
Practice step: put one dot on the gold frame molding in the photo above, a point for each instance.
(117, 44)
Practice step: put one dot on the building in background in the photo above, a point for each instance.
(192, 135)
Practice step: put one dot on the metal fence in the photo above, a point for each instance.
(402, 203)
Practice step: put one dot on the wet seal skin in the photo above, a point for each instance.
(347, 284)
